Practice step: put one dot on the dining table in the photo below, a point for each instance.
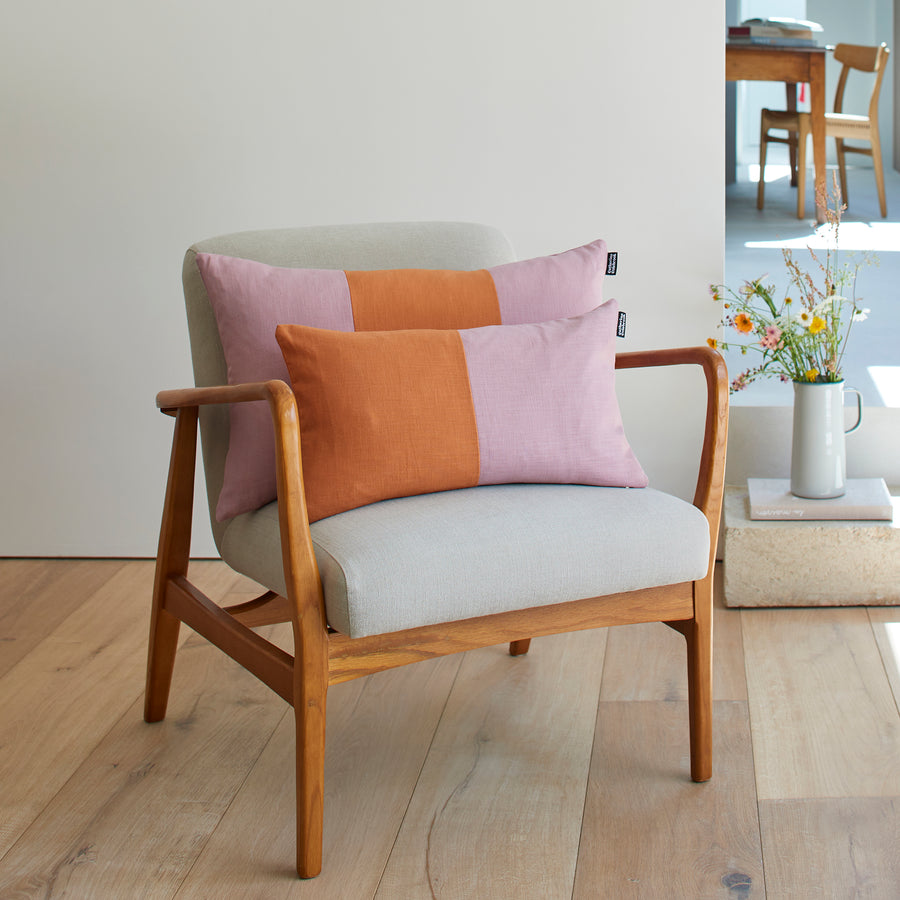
(792, 65)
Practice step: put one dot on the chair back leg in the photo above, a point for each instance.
(801, 167)
(164, 629)
(792, 157)
(763, 147)
(879, 173)
(519, 648)
(172, 559)
(842, 167)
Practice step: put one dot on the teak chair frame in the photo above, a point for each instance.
(323, 657)
(839, 125)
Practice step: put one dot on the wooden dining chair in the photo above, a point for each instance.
(422, 572)
(838, 124)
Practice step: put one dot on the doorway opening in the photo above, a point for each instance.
(755, 238)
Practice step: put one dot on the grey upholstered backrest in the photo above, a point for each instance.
(423, 245)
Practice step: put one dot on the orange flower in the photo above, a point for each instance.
(743, 323)
(712, 342)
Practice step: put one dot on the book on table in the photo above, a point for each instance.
(865, 499)
(775, 30)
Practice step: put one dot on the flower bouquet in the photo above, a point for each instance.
(803, 337)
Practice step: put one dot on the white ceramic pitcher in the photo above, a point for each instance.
(818, 451)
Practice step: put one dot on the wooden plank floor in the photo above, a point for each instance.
(560, 774)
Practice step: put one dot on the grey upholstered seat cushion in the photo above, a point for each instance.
(454, 555)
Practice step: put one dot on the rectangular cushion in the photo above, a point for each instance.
(393, 413)
(250, 298)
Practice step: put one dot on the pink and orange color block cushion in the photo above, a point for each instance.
(395, 413)
(249, 299)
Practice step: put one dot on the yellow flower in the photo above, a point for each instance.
(712, 342)
(812, 374)
(743, 323)
(817, 325)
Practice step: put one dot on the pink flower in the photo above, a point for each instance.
(773, 336)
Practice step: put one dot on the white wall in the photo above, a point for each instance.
(131, 130)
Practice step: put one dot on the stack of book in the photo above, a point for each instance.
(783, 31)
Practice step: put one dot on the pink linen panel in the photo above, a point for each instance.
(545, 403)
(249, 299)
(551, 287)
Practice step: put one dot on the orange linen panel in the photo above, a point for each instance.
(371, 431)
(392, 299)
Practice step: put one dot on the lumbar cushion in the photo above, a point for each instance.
(388, 414)
(249, 299)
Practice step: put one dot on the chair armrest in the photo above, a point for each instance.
(169, 402)
(711, 477)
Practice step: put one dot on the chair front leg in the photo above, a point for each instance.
(699, 658)
(310, 693)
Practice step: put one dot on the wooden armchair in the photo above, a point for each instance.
(640, 555)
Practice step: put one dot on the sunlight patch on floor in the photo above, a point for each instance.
(893, 634)
(773, 172)
(878, 237)
(887, 381)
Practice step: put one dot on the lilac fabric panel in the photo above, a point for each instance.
(545, 403)
(551, 287)
(249, 299)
